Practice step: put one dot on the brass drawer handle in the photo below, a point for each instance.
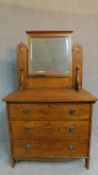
(71, 147)
(28, 147)
(27, 129)
(26, 110)
(71, 129)
(72, 111)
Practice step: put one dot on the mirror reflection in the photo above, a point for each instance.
(50, 54)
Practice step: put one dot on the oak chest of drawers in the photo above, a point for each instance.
(49, 130)
(50, 115)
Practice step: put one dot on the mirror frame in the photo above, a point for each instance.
(47, 34)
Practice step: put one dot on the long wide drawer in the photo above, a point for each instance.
(50, 147)
(30, 129)
(53, 111)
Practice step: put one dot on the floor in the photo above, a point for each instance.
(75, 167)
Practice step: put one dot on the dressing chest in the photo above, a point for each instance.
(50, 115)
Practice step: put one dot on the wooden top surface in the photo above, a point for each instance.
(50, 95)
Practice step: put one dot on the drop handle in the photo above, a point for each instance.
(71, 147)
(28, 147)
(71, 129)
(26, 110)
(27, 129)
(72, 111)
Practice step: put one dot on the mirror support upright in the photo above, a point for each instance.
(22, 64)
(78, 86)
(77, 61)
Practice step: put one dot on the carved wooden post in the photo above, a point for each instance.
(78, 83)
(22, 64)
(77, 66)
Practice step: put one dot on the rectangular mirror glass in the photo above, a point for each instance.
(50, 55)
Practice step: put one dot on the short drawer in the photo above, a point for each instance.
(30, 129)
(53, 111)
(50, 147)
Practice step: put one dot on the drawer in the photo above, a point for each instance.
(50, 147)
(53, 111)
(30, 129)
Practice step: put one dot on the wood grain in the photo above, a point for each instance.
(50, 112)
(24, 129)
(48, 83)
(50, 95)
(22, 63)
(77, 60)
(51, 147)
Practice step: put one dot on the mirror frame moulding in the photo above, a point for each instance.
(47, 34)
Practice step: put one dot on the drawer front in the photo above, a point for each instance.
(30, 129)
(52, 111)
(50, 147)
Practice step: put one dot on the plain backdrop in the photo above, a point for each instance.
(16, 17)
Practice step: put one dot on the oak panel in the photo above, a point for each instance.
(24, 129)
(51, 147)
(48, 111)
